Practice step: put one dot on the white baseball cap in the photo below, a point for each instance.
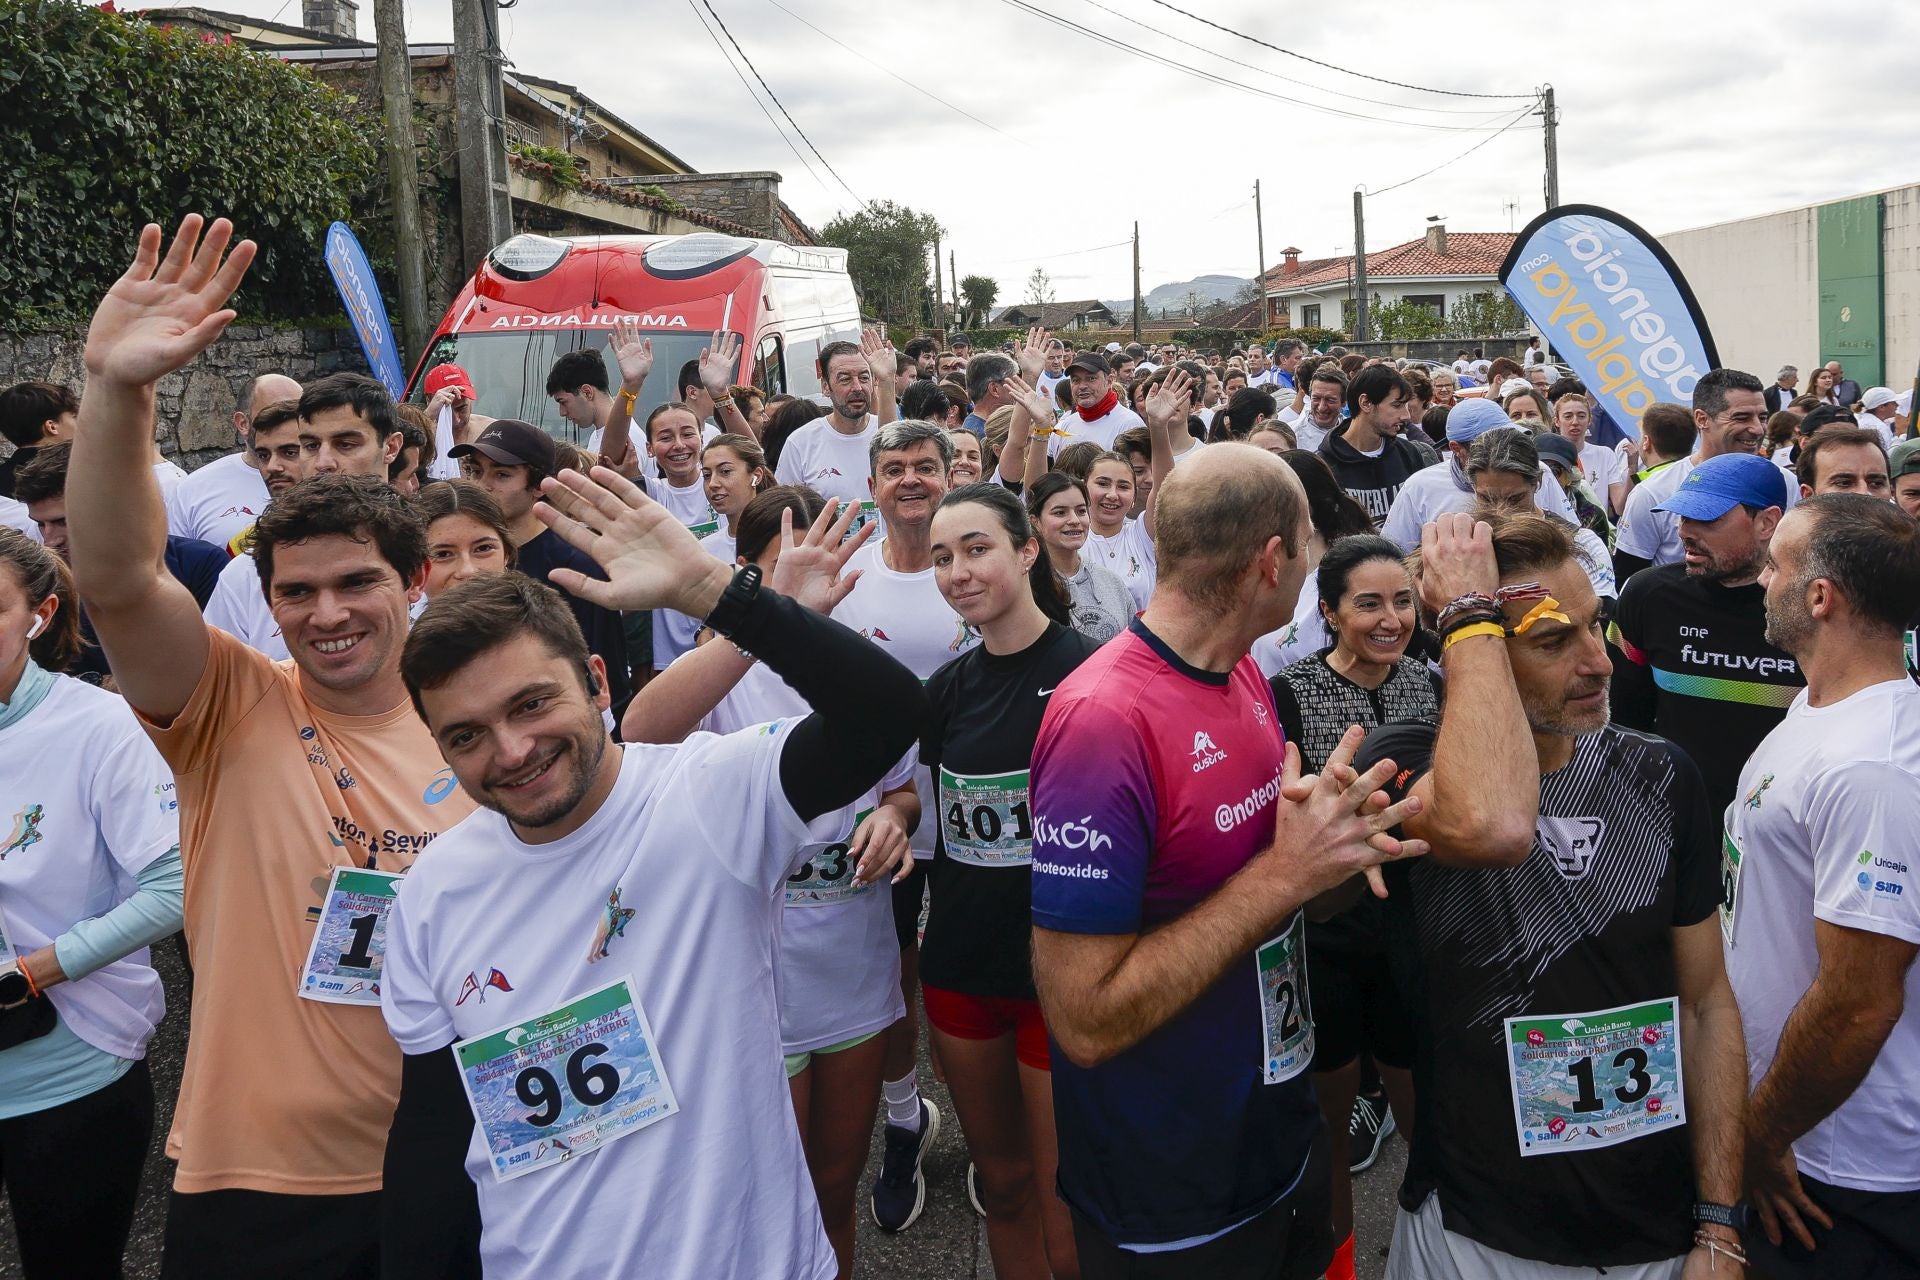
(1877, 397)
(1112, 347)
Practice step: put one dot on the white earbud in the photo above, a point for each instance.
(39, 625)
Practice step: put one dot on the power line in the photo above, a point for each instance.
(902, 79)
(776, 102)
(1398, 84)
(1214, 78)
(1305, 84)
(1457, 159)
(781, 133)
(1049, 257)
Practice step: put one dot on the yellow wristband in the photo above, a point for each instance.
(629, 397)
(1473, 629)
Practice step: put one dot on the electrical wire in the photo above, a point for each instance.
(782, 133)
(922, 91)
(1049, 257)
(1223, 81)
(1457, 159)
(776, 102)
(1305, 84)
(1331, 66)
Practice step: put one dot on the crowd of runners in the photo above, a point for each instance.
(1228, 758)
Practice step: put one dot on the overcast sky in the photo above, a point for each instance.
(1675, 115)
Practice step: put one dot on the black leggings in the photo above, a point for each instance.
(72, 1174)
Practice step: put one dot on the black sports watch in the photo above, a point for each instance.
(14, 988)
(1706, 1212)
(734, 601)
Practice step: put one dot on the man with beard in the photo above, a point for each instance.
(1692, 660)
(830, 454)
(286, 773)
(219, 501)
(1369, 456)
(1821, 921)
(617, 908)
(1558, 947)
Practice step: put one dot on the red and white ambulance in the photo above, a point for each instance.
(535, 298)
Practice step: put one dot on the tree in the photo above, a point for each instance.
(1039, 288)
(1193, 302)
(1484, 315)
(113, 121)
(979, 293)
(887, 246)
(1406, 321)
(1249, 291)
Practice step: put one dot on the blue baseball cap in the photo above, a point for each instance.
(1722, 483)
(1473, 417)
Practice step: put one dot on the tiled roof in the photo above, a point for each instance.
(1245, 316)
(1469, 253)
(1054, 315)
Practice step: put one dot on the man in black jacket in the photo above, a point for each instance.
(1369, 456)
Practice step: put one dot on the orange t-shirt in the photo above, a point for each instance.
(282, 1094)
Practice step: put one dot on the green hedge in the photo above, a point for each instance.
(113, 121)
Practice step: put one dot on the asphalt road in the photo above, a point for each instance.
(947, 1243)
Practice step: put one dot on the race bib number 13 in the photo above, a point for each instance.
(1595, 1079)
(565, 1083)
(1287, 1020)
(350, 943)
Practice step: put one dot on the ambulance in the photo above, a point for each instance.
(535, 298)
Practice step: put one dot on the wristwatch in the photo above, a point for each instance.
(1706, 1212)
(732, 609)
(14, 989)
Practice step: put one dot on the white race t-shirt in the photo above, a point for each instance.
(1435, 490)
(1868, 422)
(1103, 430)
(1301, 638)
(649, 466)
(13, 515)
(673, 632)
(1602, 467)
(1827, 827)
(87, 804)
(218, 502)
(1306, 433)
(169, 475)
(835, 465)
(1644, 532)
(239, 607)
(1128, 553)
(698, 840)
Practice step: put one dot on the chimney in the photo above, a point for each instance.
(1291, 267)
(336, 19)
(1436, 239)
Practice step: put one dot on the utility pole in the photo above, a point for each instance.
(1260, 242)
(1359, 267)
(403, 175)
(1552, 123)
(480, 112)
(939, 288)
(953, 281)
(1136, 282)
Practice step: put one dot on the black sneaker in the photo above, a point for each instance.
(1367, 1131)
(973, 1188)
(900, 1193)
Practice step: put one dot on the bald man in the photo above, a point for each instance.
(1171, 872)
(222, 499)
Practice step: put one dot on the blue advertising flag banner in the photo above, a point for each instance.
(360, 292)
(1613, 306)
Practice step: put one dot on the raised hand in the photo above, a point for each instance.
(1032, 354)
(1456, 559)
(651, 561)
(1038, 404)
(716, 364)
(632, 352)
(165, 311)
(808, 572)
(880, 357)
(1171, 400)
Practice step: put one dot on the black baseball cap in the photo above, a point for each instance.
(512, 443)
(959, 340)
(1091, 362)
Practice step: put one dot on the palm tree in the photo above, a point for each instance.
(979, 293)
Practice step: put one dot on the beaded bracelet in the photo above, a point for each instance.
(1474, 601)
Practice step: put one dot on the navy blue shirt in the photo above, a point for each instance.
(194, 564)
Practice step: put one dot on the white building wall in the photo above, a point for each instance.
(1900, 221)
(1333, 297)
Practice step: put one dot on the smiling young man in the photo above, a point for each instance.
(636, 986)
(286, 772)
(1369, 456)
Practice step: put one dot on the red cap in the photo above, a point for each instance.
(442, 376)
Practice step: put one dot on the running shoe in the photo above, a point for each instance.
(1368, 1130)
(973, 1188)
(900, 1193)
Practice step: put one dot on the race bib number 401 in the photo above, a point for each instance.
(1595, 1079)
(565, 1083)
(350, 942)
(986, 820)
(1286, 1019)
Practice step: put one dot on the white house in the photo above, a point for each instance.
(1435, 271)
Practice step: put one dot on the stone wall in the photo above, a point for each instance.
(752, 199)
(194, 409)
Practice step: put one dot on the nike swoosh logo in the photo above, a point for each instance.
(1045, 692)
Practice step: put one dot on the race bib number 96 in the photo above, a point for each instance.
(1595, 1079)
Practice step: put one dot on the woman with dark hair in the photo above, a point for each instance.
(1101, 603)
(838, 959)
(93, 879)
(467, 533)
(976, 980)
(1334, 515)
(1365, 676)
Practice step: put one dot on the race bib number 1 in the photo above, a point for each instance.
(1729, 885)
(350, 942)
(565, 1083)
(1287, 1021)
(987, 821)
(1595, 1079)
(826, 877)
